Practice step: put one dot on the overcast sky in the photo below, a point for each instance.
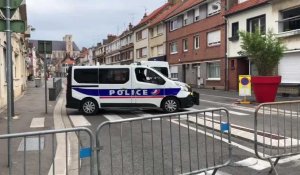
(89, 21)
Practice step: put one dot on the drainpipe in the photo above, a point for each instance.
(226, 56)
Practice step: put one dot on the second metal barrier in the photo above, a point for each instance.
(48, 152)
(277, 131)
(181, 143)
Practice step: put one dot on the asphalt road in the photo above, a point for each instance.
(175, 145)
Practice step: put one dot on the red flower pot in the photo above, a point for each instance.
(265, 87)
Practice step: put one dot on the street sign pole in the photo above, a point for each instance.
(45, 76)
(9, 80)
(45, 47)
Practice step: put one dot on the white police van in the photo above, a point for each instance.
(90, 88)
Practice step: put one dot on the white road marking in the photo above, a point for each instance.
(237, 113)
(234, 144)
(37, 122)
(219, 138)
(112, 117)
(219, 96)
(147, 115)
(79, 120)
(232, 112)
(254, 163)
(211, 171)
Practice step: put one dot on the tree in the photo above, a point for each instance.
(265, 51)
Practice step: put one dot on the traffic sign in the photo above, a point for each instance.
(17, 26)
(244, 85)
(45, 47)
(14, 4)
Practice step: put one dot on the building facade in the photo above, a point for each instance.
(196, 43)
(282, 17)
(61, 50)
(20, 60)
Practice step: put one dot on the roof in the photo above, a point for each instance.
(56, 45)
(245, 6)
(165, 13)
(154, 14)
(184, 6)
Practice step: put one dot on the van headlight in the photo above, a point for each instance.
(183, 87)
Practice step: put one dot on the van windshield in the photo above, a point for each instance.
(162, 70)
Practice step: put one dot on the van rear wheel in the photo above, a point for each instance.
(170, 105)
(89, 107)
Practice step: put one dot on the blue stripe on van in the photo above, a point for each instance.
(128, 92)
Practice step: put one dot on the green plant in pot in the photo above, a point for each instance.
(265, 52)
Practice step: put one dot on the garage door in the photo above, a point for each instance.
(289, 68)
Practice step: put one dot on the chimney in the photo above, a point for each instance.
(110, 38)
(174, 1)
(130, 26)
(145, 15)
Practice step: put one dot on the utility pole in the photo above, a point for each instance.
(9, 79)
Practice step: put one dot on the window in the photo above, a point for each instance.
(113, 76)
(89, 76)
(173, 25)
(290, 19)
(142, 52)
(185, 45)
(141, 35)
(196, 42)
(173, 48)
(213, 7)
(160, 50)
(185, 19)
(160, 29)
(234, 31)
(188, 17)
(257, 22)
(148, 76)
(203, 12)
(197, 14)
(174, 75)
(214, 38)
(213, 70)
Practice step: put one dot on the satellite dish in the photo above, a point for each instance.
(215, 7)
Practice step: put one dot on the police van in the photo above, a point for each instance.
(90, 88)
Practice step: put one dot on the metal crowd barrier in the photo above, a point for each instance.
(277, 131)
(179, 143)
(48, 152)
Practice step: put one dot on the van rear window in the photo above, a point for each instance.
(113, 76)
(89, 76)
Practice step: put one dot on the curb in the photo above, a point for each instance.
(61, 121)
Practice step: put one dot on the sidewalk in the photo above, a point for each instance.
(30, 105)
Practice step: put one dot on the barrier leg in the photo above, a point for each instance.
(273, 165)
(215, 171)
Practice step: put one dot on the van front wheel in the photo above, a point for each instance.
(89, 107)
(170, 105)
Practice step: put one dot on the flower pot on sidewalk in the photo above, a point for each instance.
(265, 87)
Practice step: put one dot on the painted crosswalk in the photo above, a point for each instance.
(37, 122)
(79, 120)
(249, 162)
